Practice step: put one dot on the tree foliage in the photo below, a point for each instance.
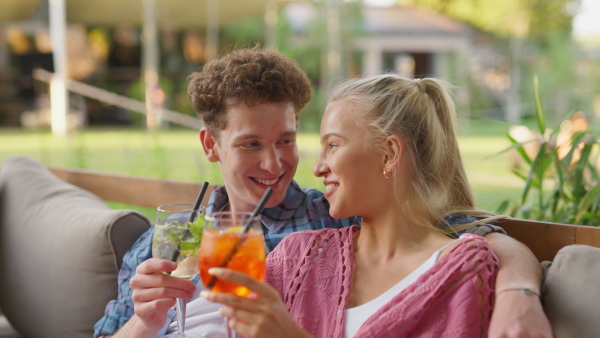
(507, 18)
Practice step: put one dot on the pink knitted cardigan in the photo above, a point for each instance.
(312, 270)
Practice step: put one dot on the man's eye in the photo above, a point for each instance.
(251, 144)
(288, 141)
(332, 145)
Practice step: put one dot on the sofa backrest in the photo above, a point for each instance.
(61, 248)
(141, 191)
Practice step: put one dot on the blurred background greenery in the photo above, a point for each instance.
(177, 155)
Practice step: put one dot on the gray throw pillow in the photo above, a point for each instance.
(61, 248)
(570, 292)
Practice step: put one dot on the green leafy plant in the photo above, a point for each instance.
(562, 183)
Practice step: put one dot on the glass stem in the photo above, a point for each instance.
(180, 309)
(230, 332)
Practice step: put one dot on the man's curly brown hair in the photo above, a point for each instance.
(252, 75)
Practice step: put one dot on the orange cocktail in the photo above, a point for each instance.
(224, 245)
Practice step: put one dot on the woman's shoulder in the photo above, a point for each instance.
(471, 246)
(472, 239)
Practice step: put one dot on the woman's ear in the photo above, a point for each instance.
(209, 144)
(394, 149)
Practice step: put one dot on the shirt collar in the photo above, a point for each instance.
(273, 218)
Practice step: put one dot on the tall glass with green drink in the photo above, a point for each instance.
(177, 235)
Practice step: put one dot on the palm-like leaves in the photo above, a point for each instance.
(562, 183)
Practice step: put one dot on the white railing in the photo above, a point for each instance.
(119, 100)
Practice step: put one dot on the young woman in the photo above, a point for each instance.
(390, 155)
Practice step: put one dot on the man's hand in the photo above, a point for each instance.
(515, 313)
(519, 315)
(154, 292)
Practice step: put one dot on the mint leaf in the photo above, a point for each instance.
(189, 245)
(197, 226)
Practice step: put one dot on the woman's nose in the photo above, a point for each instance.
(320, 168)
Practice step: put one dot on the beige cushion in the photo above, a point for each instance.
(571, 292)
(60, 251)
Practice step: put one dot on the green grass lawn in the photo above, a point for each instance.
(177, 154)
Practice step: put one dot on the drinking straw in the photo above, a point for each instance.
(194, 212)
(257, 210)
(198, 201)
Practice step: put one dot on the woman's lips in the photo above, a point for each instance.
(330, 187)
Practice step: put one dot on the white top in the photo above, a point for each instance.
(356, 316)
(202, 317)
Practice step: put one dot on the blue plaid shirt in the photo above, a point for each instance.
(301, 209)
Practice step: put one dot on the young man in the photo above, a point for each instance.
(250, 101)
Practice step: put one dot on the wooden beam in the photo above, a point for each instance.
(142, 191)
(588, 236)
(546, 238)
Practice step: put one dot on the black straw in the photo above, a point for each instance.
(198, 201)
(194, 212)
(257, 210)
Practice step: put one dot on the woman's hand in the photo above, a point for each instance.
(262, 315)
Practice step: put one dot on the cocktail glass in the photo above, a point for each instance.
(176, 238)
(224, 245)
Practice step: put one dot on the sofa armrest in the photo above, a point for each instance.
(61, 248)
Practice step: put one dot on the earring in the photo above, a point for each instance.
(385, 173)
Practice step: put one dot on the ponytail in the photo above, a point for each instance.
(422, 113)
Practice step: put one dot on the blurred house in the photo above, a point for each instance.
(412, 41)
(409, 40)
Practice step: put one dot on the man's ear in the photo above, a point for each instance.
(209, 144)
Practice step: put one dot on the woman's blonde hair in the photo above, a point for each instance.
(422, 113)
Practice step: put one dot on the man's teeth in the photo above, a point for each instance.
(266, 182)
(332, 185)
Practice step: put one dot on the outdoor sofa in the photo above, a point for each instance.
(61, 248)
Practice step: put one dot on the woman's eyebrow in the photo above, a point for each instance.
(331, 134)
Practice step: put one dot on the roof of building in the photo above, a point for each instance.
(411, 20)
